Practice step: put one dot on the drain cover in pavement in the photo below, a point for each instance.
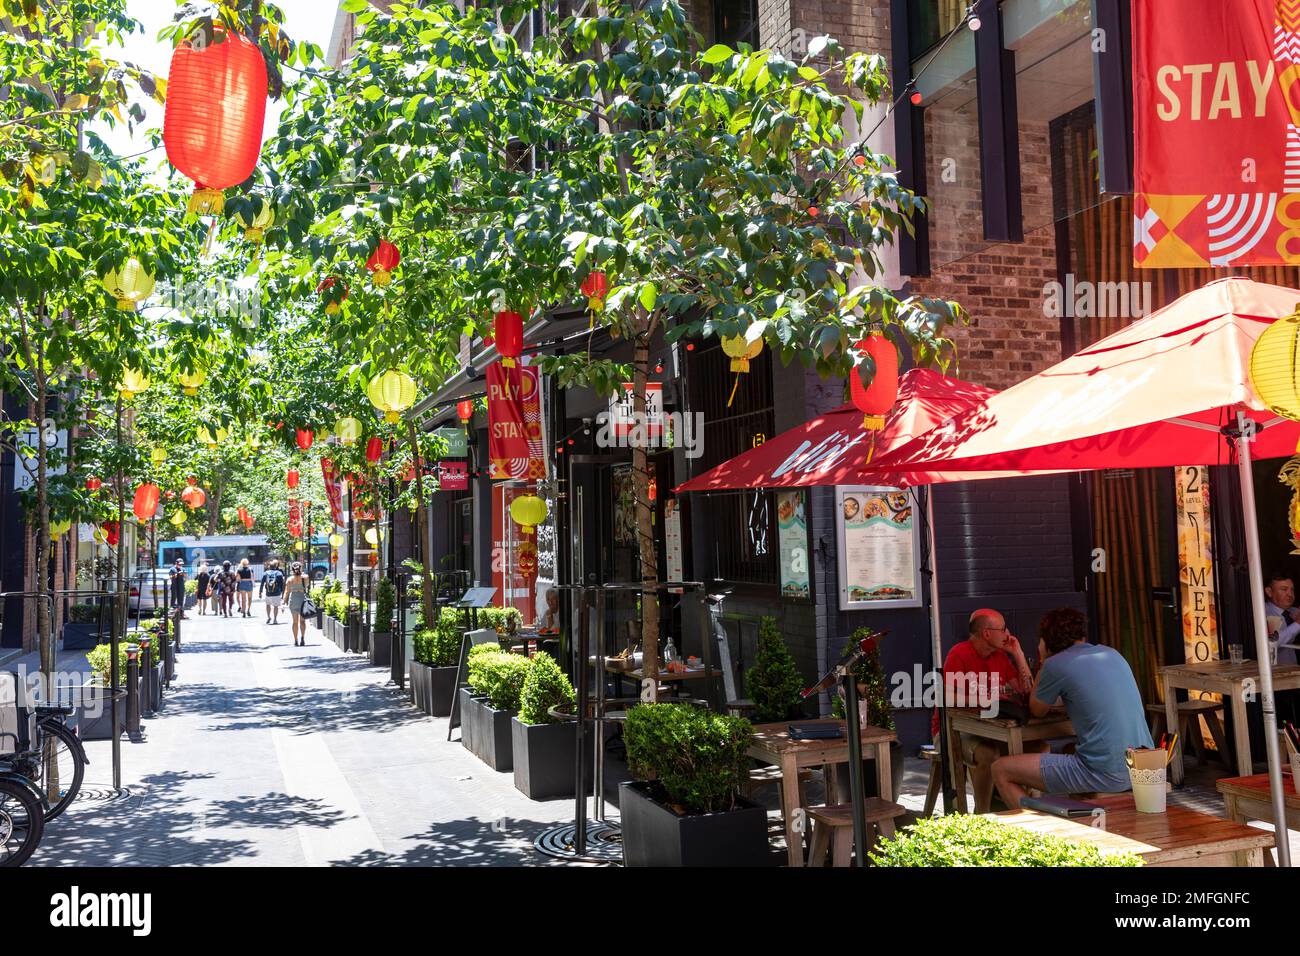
(104, 794)
(604, 843)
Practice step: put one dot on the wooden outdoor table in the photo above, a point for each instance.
(772, 744)
(1177, 837)
(967, 720)
(1235, 682)
(1248, 798)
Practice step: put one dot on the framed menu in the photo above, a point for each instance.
(792, 540)
(878, 542)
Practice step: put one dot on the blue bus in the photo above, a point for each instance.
(218, 548)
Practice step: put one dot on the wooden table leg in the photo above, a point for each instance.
(884, 776)
(1220, 741)
(1015, 741)
(790, 800)
(1171, 720)
(958, 768)
(1241, 734)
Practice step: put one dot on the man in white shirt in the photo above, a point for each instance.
(1280, 593)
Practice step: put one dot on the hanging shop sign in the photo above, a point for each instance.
(453, 476)
(1221, 87)
(454, 441)
(623, 422)
(515, 436)
(1196, 564)
(333, 491)
(56, 449)
(792, 542)
(673, 549)
(878, 542)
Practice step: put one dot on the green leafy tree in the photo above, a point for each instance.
(773, 683)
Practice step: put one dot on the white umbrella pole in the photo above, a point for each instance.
(936, 647)
(1251, 526)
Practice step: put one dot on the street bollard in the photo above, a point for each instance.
(169, 663)
(146, 677)
(176, 623)
(132, 690)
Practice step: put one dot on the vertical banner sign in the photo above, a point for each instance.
(453, 476)
(515, 439)
(1196, 570)
(295, 517)
(1216, 95)
(792, 538)
(514, 554)
(363, 501)
(333, 491)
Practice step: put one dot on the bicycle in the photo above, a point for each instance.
(56, 762)
(22, 816)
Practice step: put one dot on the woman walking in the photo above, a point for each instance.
(228, 581)
(245, 575)
(295, 590)
(202, 579)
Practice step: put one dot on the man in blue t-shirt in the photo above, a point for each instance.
(1097, 688)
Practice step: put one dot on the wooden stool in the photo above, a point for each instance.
(935, 786)
(1190, 714)
(761, 776)
(832, 829)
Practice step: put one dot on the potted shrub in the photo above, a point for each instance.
(471, 706)
(965, 840)
(81, 631)
(499, 678)
(873, 702)
(685, 808)
(381, 639)
(773, 683)
(543, 745)
(433, 670)
(91, 715)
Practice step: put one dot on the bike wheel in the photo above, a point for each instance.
(21, 822)
(63, 756)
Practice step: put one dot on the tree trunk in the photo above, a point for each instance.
(421, 529)
(214, 502)
(644, 515)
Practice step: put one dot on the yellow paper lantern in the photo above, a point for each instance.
(299, 545)
(254, 442)
(528, 511)
(133, 383)
(392, 393)
(129, 284)
(348, 429)
(372, 537)
(336, 540)
(741, 351)
(158, 456)
(177, 518)
(1274, 369)
(210, 438)
(192, 380)
(258, 220)
(59, 528)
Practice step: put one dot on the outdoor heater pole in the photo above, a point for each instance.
(936, 654)
(856, 789)
(1251, 527)
(580, 762)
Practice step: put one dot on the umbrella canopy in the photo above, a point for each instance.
(832, 448)
(1152, 395)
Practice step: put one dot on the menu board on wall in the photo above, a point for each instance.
(792, 539)
(673, 540)
(878, 545)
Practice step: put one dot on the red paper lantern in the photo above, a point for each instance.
(333, 300)
(304, 438)
(146, 501)
(410, 474)
(383, 261)
(169, 494)
(374, 449)
(93, 483)
(194, 497)
(112, 534)
(594, 288)
(216, 106)
(465, 411)
(291, 478)
(191, 480)
(875, 400)
(509, 328)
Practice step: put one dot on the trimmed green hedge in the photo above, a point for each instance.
(545, 686)
(697, 756)
(965, 840)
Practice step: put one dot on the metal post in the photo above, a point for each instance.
(1251, 528)
(146, 677)
(856, 790)
(936, 656)
(114, 682)
(580, 785)
(598, 764)
(132, 692)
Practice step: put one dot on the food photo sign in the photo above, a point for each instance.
(878, 541)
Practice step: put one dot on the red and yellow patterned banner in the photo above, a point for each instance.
(1216, 94)
(333, 491)
(515, 439)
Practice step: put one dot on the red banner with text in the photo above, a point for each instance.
(515, 438)
(333, 491)
(295, 517)
(1216, 133)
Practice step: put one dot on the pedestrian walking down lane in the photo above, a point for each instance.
(296, 589)
(245, 588)
(271, 588)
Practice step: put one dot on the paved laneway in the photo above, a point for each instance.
(267, 754)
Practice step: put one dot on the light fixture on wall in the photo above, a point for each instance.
(973, 18)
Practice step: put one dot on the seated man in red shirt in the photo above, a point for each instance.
(987, 667)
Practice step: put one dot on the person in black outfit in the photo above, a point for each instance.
(202, 578)
(178, 586)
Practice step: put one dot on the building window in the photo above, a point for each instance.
(742, 524)
(736, 21)
(929, 21)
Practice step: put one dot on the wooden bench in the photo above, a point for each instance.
(1190, 714)
(935, 786)
(832, 829)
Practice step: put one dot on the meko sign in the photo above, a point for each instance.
(1216, 95)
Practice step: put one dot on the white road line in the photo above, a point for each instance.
(311, 775)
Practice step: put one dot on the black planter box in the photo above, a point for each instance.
(381, 648)
(653, 835)
(493, 738)
(544, 758)
(419, 682)
(432, 690)
(100, 725)
(468, 708)
(81, 637)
